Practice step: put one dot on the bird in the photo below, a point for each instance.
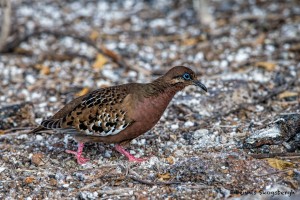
(118, 114)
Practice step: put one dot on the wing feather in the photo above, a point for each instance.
(99, 113)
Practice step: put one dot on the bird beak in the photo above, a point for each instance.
(199, 84)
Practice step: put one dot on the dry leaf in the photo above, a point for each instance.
(94, 35)
(269, 66)
(260, 39)
(170, 160)
(53, 182)
(100, 61)
(190, 41)
(23, 51)
(290, 173)
(45, 70)
(287, 94)
(111, 54)
(279, 164)
(165, 176)
(82, 92)
(37, 159)
(2, 132)
(29, 180)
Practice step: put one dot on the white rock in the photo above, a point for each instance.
(200, 133)
(174, 126)
(39, 138)
(188, 124)
(241, 56)
(2, 169)
(23, 136)
(52, 99)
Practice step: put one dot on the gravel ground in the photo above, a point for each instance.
(248, 58)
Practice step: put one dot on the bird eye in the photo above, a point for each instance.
(187, 76)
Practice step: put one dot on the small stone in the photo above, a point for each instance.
(189, 124)
(174, 126)
(200, 133)
(107, 154)
(132, 152)
(178, 152)
(39, 138)
(52, 99)
(59, 176)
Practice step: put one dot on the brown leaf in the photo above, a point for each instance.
(82, 92)
(165, 176)
(37, 159)
(190, 41)
(53, 182)
(100, 61)
(295, 47)
(170, 160)
(29, 180)
(279, 164)
(94, 35)
(115, 57)
(2, 132)
(260, 39)
(287, 94)
(45, 70)
(269, 66)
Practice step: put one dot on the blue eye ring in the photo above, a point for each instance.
(186, 76)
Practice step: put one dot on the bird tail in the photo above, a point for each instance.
(37, 129)
(52, 123)
(47, 124)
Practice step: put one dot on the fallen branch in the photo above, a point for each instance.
(5, 27)
(273, 155)
(9, 48)
(146, 182)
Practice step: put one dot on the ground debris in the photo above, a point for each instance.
(285, 128)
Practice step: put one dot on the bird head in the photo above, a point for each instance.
(181, 76)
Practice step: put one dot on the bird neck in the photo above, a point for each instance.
(160, 86)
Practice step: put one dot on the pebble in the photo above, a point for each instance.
(189, 124)
(107, 154)
(241, 56)
(52, 99)
(30, 79)
(200, 133)
(39, 137)
(59, 176)
(174, 126)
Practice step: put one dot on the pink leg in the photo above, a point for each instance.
(80, 159)
(130, 157)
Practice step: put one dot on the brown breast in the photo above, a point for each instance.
(145, 113)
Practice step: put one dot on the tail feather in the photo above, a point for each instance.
(37, 129)
(52, 123)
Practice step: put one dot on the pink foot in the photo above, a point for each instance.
(80, 160)
(130, 157)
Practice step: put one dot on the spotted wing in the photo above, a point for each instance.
(99, 113)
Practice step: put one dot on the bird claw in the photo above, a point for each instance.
(80, 160)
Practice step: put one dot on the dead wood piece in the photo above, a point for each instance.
(273, 155)
(5, 27)
(284, 128)
(10, 47)
(146, 182)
